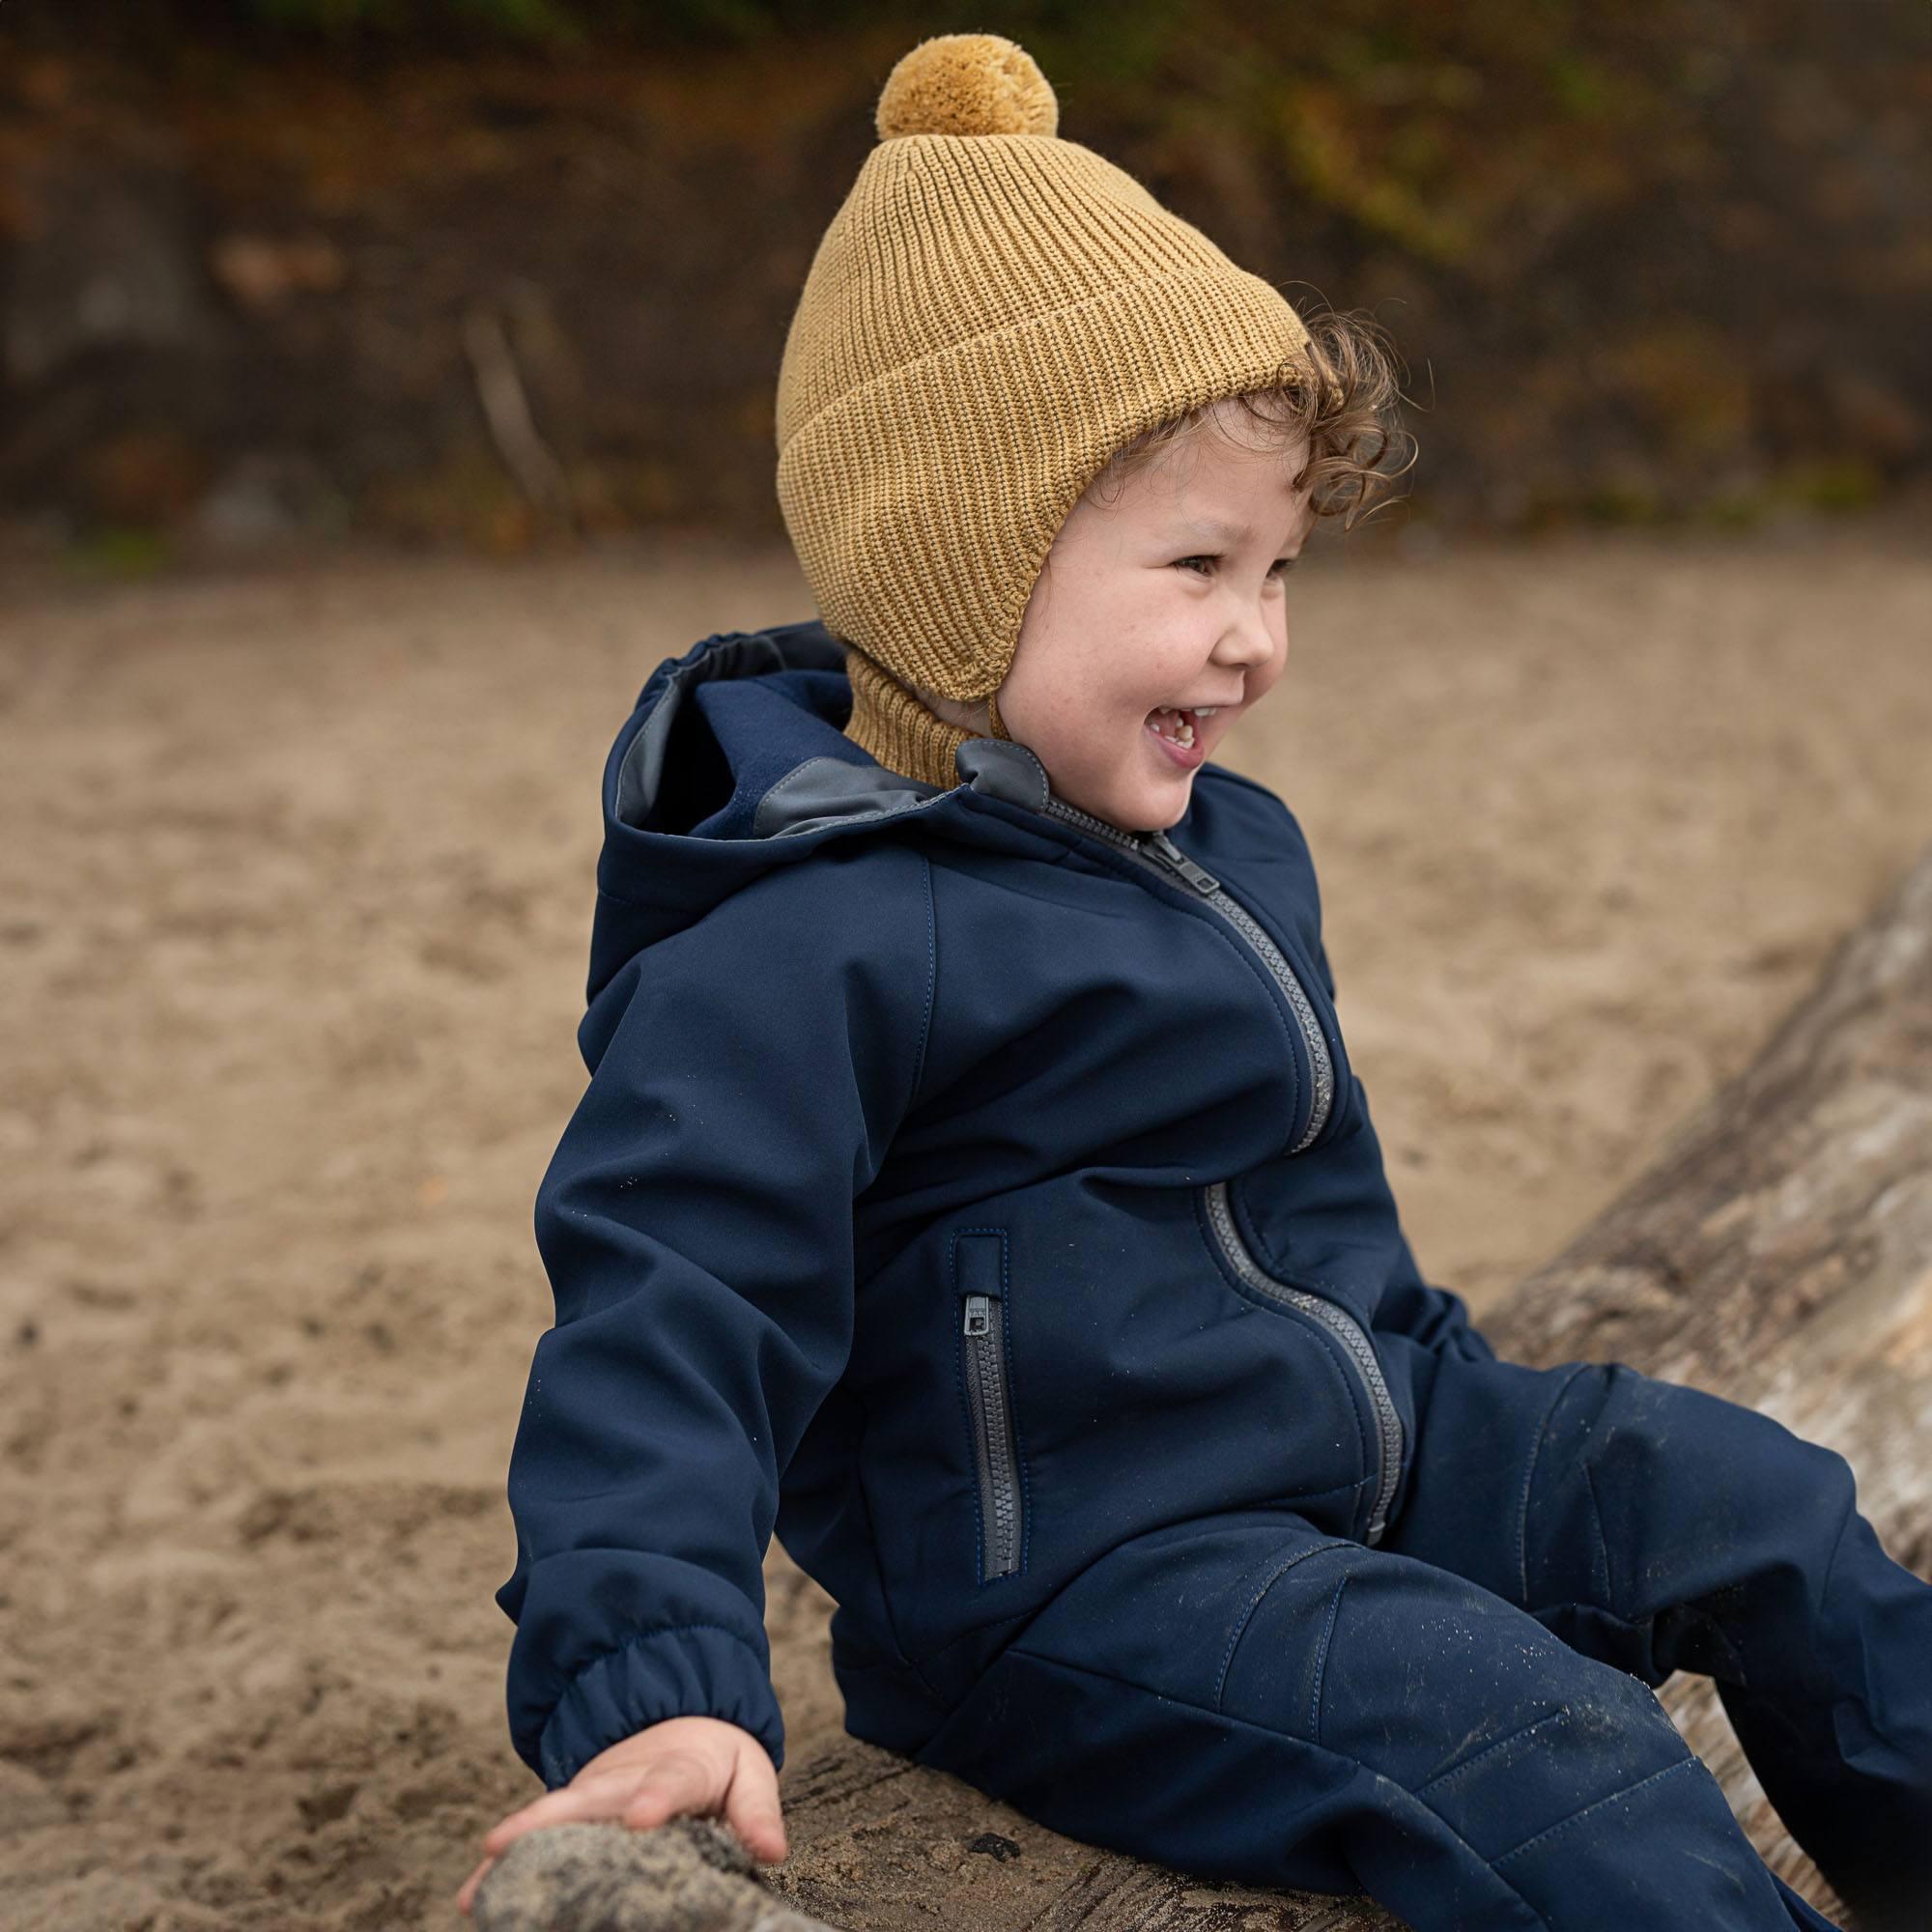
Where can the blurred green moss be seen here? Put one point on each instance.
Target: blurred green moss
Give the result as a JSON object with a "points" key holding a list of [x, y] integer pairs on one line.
{"points": [[118, 550], [1619, 504], [1838, 485]]}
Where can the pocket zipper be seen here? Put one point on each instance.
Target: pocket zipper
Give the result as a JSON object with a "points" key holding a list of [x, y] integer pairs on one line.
{"points": [[1359, 1350], [995, 1452]]}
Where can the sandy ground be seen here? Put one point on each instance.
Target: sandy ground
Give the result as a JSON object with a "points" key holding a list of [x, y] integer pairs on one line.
{"points": [[293, 910]]}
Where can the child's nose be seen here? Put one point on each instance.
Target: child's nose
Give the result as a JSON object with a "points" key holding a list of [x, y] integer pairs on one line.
{"points": [[1247, 640]]}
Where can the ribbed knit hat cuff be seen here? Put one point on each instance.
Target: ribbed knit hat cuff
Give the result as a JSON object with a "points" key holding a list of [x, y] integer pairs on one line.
{"points": [[897, 729]]}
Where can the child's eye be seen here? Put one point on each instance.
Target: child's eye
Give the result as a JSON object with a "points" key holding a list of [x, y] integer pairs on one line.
{"points": [[1284, 564]]}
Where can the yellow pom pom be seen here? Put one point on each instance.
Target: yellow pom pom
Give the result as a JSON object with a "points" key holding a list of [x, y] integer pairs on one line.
{"points": [[967, 84]]}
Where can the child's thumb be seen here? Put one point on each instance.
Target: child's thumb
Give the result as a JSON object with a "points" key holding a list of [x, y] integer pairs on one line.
{"points": [[753, 1811]]}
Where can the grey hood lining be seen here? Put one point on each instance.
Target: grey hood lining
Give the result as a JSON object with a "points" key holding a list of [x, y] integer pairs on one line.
{"points": [[827, 790], [641, 773], [823, 790]]}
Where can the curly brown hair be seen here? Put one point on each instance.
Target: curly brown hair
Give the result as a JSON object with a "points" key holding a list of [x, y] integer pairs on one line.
{"points": [[1347, 410]]}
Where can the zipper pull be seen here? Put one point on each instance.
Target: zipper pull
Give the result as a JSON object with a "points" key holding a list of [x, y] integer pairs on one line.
{"points": [[1158, 845], [979, 1315]]}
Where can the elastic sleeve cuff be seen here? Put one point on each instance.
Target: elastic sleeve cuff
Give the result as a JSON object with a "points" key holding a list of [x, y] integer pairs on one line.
{"points": [[685, 1670]]}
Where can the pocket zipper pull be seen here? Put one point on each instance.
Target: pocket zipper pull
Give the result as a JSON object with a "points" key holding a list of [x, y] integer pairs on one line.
{"points": [[1161, 846], [979, 1315]]}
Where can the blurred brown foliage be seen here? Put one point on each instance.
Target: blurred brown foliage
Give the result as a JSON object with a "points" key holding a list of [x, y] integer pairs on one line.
{"points": [[484, 272]]}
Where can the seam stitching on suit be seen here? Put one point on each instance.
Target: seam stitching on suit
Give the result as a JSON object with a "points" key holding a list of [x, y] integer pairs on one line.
{"points": [[794, 775], [1563, 1824], [932, 984], [965, 1636], [1268, 1582], [1602, 1544], [1470, 1764], [1322, 1663], [1529, 1476], [1007, 1319], [1247, 1724], [1837, 1550]]}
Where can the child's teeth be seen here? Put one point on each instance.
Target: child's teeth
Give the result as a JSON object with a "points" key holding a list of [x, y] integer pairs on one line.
{"points": [[1172, 725]]}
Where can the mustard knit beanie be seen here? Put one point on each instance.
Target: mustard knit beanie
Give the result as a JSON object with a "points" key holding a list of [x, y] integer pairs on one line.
{"points": [[992, 314]]}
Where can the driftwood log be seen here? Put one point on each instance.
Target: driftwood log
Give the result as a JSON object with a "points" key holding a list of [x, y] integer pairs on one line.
{"points": [[1777, 1251]]}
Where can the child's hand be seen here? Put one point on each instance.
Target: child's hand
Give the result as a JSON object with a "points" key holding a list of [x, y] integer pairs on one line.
{"points": [[683, 1766]]}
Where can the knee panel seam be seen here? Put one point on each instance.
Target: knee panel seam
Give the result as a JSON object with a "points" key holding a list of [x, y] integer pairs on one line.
{"points": [[1447, 1826], [1242, 1622], [1596, 1804], [1560, 1715], [1321, 1662]]}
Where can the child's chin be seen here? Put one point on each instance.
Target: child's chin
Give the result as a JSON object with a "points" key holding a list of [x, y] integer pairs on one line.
{"points": [[1153, 808], [1149, 798]]}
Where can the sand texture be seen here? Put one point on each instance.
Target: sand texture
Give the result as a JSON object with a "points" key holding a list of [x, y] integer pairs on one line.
{"points": [[294, 904]]}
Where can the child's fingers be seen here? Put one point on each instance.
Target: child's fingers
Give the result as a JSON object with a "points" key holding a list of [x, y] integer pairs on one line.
{"points": [[642, 1795], [758, 1821], [467, 1898], [601, 1795], [752, 1807]]}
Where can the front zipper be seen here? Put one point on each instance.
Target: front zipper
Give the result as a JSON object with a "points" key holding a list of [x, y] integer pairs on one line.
{"points": [[995, 1454], [1354, 1337], [1159, 850]]}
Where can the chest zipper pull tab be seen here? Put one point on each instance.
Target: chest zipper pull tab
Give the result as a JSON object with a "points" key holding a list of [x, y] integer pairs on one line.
{"points": [[1159, 845]]}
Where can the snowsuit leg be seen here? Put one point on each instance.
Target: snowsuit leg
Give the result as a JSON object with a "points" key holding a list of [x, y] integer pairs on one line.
{"points": [[1459, 1721], [1658, 1528], [1253, 1696]]}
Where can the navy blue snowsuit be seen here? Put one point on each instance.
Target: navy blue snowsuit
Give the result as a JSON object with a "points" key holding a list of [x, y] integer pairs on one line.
{"points": [[980, 1198]]}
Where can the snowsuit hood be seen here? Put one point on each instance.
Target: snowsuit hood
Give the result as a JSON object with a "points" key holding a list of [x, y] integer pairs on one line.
{"points": [[962, 1185], [733, 762]]}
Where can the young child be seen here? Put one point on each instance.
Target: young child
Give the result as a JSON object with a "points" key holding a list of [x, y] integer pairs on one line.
{"points": [[972, 1184]]}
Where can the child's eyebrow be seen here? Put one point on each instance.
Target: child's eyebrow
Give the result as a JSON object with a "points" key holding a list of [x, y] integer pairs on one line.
{"points": [[1213, 530]]}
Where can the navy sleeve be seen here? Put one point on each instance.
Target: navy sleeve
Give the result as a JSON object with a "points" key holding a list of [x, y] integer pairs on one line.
{"points": [[696, 1226], [1434, 1317]]}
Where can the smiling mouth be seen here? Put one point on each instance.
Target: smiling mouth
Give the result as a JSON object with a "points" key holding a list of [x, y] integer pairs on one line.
{"points": [[1175, 732], [1179, 725]]}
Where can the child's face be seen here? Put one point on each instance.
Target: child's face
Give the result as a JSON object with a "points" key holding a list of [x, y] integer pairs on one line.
{"points": [[1143, 604]]}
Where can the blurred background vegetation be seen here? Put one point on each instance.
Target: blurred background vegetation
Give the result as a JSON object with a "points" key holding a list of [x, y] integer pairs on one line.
{"points": [[505, 272]]}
